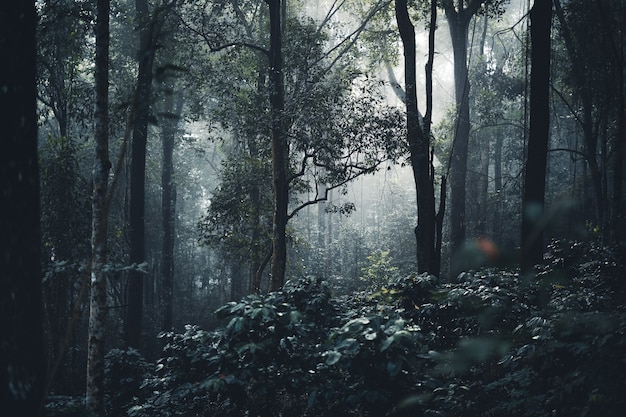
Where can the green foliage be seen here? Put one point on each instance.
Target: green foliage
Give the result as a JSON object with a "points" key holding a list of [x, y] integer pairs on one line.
{"points": [[491, 344], [65, 406], [370, 364], [237, 222], [124, 372], [260, 361], [379, 270]]}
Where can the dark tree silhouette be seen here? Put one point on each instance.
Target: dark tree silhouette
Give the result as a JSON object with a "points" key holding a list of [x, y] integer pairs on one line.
{"points": [[418, 138], [280, 155], [22, 368], [535, 175]]}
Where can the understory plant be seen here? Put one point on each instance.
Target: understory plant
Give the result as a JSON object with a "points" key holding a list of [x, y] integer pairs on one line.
{"points": [[493, 343]]}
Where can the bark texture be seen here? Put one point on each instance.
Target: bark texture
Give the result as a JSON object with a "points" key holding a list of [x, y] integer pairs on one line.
{"points": [[280, 150], [419, 147], [102, 165]]}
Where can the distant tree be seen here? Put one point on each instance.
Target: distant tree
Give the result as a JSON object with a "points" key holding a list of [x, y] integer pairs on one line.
{"points": [[231, 224], [312, 144], [102, 165], [496, 73], [459, 14], [65, 106], [65, 230], [592, 89], [149, 26], [533, 200], [170, 119], [143, 96], [22, 365], [62, 87]]}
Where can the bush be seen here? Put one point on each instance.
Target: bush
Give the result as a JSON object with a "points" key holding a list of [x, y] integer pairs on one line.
{"points": [[491, 344], [124, 372]]}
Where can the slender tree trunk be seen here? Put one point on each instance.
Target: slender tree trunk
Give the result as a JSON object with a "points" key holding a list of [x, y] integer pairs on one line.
{"points": [[255, 238], [134, 311], [322, 265], [439, 216], [484, 149], [483, 186], [102, 165], [22, 363], [168, 206], [536, 163], [280, 150], [236, 280], [458, 22], [257, 248], [419, 147]]}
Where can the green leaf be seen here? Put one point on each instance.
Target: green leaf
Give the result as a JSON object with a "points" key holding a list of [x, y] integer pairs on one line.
{"points": [[371, 335], [332, 357], [393, 368], [236, 324], [387, 343]]}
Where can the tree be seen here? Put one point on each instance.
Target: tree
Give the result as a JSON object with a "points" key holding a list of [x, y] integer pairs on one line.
{"points": [[99, 213], [62, 88], [459, 15], [22, 365], [533, 201], [171, 116], [149, 26], [418, 138], [65, 107], [311, 146], [280, 149], [596, 99]]}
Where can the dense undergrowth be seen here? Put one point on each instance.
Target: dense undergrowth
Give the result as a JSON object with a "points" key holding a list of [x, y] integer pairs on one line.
{"points": [[490, 344]]}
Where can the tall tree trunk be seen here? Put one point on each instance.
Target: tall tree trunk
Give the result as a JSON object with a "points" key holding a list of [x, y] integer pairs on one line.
{"points": [[280, 150], [102, 165], [458, 22], [439, 216], [257, 248], [168, 206], [484, 150], [419, 147], [22, 363], [134, 311], [536, 163], [497, 181]]}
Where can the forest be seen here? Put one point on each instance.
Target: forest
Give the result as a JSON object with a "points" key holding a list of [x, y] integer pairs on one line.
{"points": [[290, 208]]}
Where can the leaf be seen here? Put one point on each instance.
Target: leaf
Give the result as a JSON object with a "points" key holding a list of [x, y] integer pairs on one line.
{"points": [[371, 335], [387, 343], [294, 316], [393, 368], [251, 347], [236, 324], [332, 357]]}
